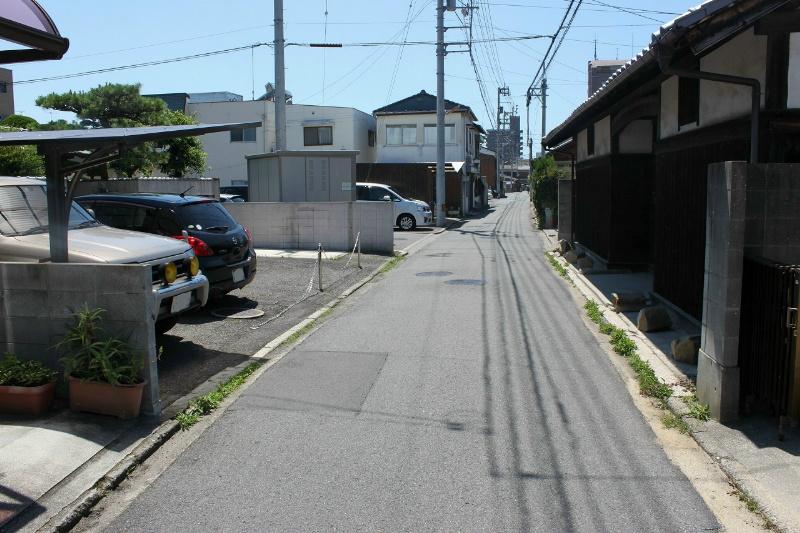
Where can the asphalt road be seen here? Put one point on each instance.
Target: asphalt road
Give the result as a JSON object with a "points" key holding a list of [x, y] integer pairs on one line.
{"points": [[460, 393]]}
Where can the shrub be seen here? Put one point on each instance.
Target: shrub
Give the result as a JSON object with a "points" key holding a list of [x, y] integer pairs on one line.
{"points": [[17, 373]]}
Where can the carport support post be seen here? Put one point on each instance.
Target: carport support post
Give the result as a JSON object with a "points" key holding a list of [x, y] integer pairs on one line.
{"points": [[319, 265], [57, 208]]}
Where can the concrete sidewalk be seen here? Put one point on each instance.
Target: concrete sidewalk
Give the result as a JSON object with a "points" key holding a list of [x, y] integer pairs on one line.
{"points": [[749, 451]]}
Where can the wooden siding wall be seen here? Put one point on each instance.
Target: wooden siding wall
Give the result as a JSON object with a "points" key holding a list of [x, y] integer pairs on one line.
{"points": [[631, 215], [680, 219], [613, 206], [593, 205]]}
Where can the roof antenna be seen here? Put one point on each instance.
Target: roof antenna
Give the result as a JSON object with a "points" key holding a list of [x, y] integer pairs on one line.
{"points": [[595, 47], [187, 190]]}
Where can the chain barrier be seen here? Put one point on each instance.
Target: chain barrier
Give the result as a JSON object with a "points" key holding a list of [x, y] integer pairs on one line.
{"points": [[316, 275]]}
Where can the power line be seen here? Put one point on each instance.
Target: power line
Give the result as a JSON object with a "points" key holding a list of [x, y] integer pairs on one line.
{"points": [[400, 52], [145, 64]]}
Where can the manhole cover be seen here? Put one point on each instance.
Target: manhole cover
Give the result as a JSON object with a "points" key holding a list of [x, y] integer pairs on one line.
{"points": [[435, 273], [236, 312], [441, 254], [465, 282]]}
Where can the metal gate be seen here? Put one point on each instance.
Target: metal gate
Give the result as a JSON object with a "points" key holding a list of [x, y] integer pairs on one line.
{"points": [[768, 335]]}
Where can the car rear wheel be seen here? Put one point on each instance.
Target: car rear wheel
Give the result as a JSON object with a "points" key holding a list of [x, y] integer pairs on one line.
{"points": [[406, 222]]}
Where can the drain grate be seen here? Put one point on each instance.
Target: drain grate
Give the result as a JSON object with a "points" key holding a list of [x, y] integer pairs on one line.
{"points": [[238, 313], [465, 282], [435, 273]]}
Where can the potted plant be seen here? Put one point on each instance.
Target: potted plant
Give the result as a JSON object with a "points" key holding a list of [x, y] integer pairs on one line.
{"points": [[26, 387], [102, 371]]}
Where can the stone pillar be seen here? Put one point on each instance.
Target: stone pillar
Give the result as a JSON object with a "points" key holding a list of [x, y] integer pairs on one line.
{"points": [[565, 209], [718, 360]]}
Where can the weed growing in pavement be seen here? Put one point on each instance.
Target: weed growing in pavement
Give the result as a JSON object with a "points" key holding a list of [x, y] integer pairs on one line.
{"points": [[206, 403], [557, 266], [754, 508], [393, 262], [697, 410], [649, 383], [673, 421]]}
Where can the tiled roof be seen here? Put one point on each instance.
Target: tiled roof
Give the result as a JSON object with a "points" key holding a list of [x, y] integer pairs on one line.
{"points": [[421, 102], [647, 56]]}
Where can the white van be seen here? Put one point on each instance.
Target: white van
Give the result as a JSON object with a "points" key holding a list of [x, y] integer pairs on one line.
{"points": [[408, 214]]}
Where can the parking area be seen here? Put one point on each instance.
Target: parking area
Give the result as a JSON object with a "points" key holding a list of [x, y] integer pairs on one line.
{"points": [[404, 239], [204, 342]]}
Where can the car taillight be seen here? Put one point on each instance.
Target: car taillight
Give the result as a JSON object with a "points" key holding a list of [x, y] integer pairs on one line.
{"points": [[247, 232], [201, 249]]}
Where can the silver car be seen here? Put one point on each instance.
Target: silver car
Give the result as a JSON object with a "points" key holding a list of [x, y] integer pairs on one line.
{"points": [[178, 285]]}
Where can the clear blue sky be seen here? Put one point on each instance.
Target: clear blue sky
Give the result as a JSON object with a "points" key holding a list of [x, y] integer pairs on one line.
{"points": [[110, 33]]}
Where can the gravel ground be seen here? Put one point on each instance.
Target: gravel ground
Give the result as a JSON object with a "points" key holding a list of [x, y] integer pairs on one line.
{"points": [[202, 345]]}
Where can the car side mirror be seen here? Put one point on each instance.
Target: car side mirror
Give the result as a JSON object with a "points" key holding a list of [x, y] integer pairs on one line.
{"points": [[386, 198], [91, 212]]}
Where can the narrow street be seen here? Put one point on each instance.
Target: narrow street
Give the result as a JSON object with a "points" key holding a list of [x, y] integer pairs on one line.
{"points": [[461, 392]]}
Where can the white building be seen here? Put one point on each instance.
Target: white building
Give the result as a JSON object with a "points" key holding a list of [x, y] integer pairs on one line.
{"points": [[308, 127], [407, 134]]}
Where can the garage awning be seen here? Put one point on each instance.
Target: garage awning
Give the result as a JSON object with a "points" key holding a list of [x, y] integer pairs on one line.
{"points": [[104, 145], [25, 22]]}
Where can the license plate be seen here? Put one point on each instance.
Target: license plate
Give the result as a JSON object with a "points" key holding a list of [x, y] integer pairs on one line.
{"points": [[238, 275], [181, 302]]}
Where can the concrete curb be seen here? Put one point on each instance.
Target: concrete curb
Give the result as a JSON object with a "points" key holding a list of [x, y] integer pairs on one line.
{"points": [[80, 507], [674, 404]]}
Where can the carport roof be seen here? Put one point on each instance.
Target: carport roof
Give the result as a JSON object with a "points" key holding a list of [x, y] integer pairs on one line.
{"points": [[78, 139]]}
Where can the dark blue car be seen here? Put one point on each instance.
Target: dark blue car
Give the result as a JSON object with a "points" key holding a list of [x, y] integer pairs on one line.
{"points": [[224, 247]]}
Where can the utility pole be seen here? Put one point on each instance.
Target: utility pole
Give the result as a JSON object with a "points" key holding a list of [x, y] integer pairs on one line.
{"points": [[280, 81], [501, 91], [440, 192], [544, 110]]}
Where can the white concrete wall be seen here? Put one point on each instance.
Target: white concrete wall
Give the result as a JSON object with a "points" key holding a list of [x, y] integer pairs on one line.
{"points": [[602, 136], [226, 159], [301, 225], [420, 152], [38, 302], [199, 187], [793, 99], [582, 152], [636, 138], [745, 55]]}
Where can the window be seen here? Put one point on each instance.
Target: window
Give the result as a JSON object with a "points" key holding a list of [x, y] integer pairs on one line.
{"points": [[3, 87], [590, 139], [23, 210], [688, 101], [317, 135], [247, 135], [205, 216], [371, 137], [401, 134], [449, 133], [376, 194], [362, 192]]}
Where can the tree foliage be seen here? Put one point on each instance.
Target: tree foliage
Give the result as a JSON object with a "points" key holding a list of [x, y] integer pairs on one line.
{"points": [[20, 161], [543, 179], [20, 122], [122, 105]]}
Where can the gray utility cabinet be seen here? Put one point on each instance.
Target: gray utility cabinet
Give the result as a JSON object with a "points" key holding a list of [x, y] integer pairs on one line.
{"points": [[302, 176]]}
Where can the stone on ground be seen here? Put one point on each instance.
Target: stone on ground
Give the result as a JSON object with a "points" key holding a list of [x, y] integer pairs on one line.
{"points": [[563, 246], [655, 318], [624, 302], [685, 349], [571, 257]]}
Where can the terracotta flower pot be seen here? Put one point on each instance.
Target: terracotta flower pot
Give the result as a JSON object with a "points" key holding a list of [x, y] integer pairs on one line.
{"points": [[122, 401], [32, 401]]}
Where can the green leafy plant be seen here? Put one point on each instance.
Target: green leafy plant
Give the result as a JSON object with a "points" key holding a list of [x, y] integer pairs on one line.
{"points": [[15, 372], [203, 405], [543, 180], [557, 266], [92, 356], [673, 421], [697, 410]]}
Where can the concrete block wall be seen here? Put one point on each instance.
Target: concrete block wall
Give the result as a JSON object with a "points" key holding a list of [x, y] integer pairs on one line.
{"points": [[38, 302], [195, 186], [302, 225], [718, 359], [565, 209]]}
